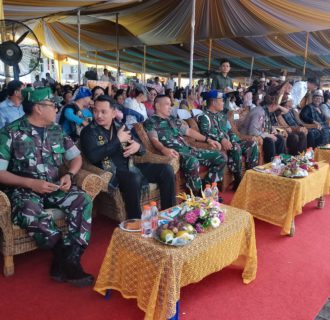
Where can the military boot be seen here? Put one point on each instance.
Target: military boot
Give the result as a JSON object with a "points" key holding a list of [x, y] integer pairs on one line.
{"points": [[73, 270], [237, 181], [56, 269]]}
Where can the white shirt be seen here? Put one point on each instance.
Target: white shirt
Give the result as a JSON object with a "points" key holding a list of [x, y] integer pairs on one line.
{"points": [[170, 84], [136, 106], [105, 78]]}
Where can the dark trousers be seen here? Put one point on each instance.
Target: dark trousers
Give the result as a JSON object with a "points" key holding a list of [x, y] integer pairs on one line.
{"points": [[272, 148], [130, 185], [296, 143]]}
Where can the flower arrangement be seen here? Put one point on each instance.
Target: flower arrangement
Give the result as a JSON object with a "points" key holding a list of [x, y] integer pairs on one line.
{"points": [[201, 213], [300, 165]]}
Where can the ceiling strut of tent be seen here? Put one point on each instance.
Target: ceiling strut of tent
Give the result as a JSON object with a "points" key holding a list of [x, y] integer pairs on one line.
{"points": [[306, 52], [192, 42], [144, 63], [79, 66], [117, 46], [251, 69], [210, 55]]}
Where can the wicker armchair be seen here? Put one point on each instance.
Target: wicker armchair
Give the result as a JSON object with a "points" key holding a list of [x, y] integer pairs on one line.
{"points": [[14, 240], [175, 163], [110, 202]]}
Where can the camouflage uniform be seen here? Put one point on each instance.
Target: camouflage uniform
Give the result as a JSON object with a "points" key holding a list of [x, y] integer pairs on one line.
{"points": [[170, 133], [214, 125], [23, 152]]}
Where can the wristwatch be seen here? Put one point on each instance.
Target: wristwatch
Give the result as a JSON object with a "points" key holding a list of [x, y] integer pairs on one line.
{"points": [[71, 175], [206, 139]]}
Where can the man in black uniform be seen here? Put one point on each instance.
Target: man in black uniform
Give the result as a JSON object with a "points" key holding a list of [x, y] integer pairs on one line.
{"points": [[109, 145]]}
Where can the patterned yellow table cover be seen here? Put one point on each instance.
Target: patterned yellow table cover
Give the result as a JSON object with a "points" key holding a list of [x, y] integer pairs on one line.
{"points": [[153, 272], [322, 155], [278, 200]]}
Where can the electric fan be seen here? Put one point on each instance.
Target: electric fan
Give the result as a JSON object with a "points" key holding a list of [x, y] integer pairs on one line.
{"points": [[19, 49]]}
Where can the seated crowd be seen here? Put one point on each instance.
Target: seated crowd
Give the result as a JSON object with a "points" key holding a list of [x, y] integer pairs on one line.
{"points": [[39, 129]]}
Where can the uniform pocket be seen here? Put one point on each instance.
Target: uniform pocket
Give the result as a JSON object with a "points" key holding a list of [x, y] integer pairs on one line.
{"points": [[24, 155], [58, 153]]}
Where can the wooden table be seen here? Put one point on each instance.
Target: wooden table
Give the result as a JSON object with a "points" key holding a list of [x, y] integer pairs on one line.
{"points": [[278, 200], [153, 272]]}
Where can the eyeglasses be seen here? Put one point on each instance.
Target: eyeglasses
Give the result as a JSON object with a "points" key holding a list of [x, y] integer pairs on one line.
{"points": [[47, 105]]}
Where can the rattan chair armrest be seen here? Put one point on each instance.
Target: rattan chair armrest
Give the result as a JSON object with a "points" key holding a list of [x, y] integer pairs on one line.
{"points": [[89, 182], [5, 212], [197, 144], [105, 175], [310, 125], [150, 157]]}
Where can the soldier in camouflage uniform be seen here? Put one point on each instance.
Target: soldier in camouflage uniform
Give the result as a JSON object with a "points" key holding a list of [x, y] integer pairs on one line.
{"points": [[166, 134], [213, 123], [32, 149]]}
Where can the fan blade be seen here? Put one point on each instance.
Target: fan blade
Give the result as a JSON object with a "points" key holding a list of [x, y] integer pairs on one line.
{"points": [[16, 71], [22, 37]]}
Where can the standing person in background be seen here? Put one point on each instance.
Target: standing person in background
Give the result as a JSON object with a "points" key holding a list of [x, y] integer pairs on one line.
{"points": [[170, 83], [38, 83], [105, 76], [50, 80], [222, 82], [11, 108], [158, 86]]}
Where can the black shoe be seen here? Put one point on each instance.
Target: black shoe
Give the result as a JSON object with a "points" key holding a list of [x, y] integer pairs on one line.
{"points": [[73, 270], [56, 269], [237, 181]]}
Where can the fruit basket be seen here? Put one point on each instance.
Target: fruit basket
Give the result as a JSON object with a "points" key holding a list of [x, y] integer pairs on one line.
{"points": [[175, 233]]}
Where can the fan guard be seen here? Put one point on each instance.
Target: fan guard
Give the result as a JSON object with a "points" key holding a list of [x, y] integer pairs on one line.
{"points": [[19, 49]]}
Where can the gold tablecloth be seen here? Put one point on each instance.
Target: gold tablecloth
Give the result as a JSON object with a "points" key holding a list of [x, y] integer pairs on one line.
{"points": [[153, 272], [322, 155], [278, 200]]}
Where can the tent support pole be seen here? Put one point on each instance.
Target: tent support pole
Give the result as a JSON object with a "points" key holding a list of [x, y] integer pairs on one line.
{"points": [[306, 53], [144, 63], [79, 66], [179, 79], [96, 60], [251, 70], [117, 46], [210, 54], [192, 42]]}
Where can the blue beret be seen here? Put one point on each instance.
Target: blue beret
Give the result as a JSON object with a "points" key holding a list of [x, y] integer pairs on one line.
{"points": [[214, 94]]}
